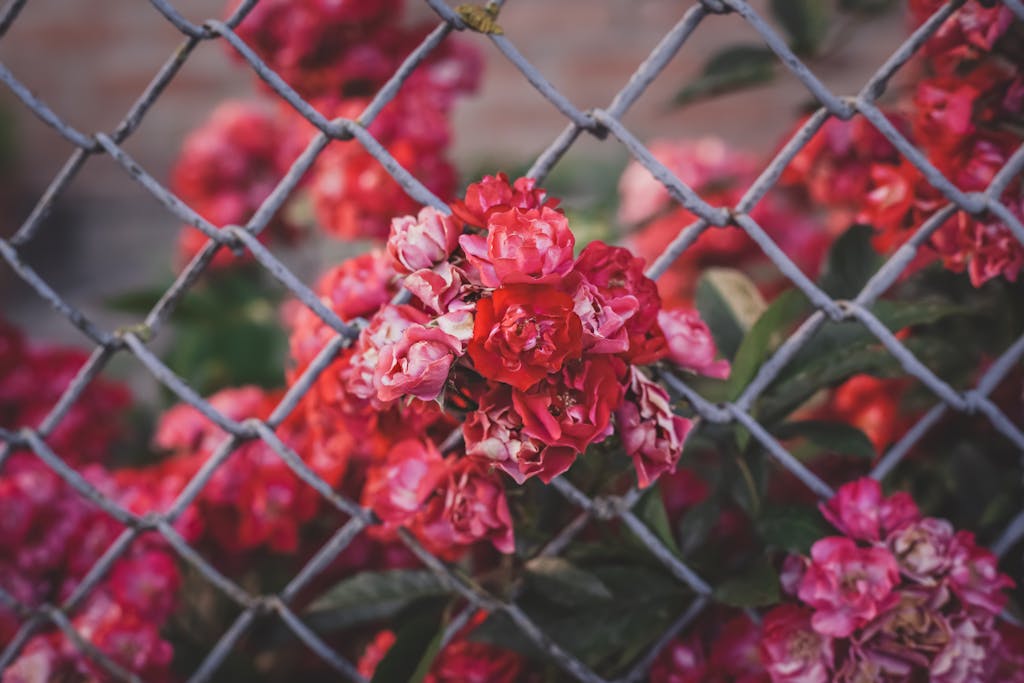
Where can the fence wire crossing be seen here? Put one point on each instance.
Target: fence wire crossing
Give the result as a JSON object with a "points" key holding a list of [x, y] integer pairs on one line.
{"points": [[599, 122]]}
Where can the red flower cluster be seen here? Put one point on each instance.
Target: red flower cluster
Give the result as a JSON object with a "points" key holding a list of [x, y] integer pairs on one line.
{"points": [[227, 168], [719, 651], [460, 661], [897, 597], [720, 175], [32, 379], [550, 344], [962, 116]]}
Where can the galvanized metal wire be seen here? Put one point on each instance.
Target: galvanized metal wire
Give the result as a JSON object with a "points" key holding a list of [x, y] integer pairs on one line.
{"points": [[603, 123]]}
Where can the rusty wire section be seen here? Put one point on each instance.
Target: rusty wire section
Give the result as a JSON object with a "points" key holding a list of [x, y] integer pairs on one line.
{"points": [[601, 123]]}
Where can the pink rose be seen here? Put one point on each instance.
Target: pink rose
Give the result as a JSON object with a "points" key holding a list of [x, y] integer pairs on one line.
{"points": [[422, 241], [847, 585], [494, 435], [470, 506], [416, 365], [441, 288], [384, 329], [652, 434], [859, 510], [690, 344], [791, 650], [534, 246], [397, 488]]}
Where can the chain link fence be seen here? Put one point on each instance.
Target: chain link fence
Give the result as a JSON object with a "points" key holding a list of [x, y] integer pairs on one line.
{"points": [[603, 123]]}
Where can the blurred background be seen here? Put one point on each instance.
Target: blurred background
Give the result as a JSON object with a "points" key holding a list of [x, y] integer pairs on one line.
{"points": [[89, 61]]}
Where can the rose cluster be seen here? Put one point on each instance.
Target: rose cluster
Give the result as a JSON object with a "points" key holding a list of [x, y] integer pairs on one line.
{"points": [[962, 116], [897, 596], [337, 55]]}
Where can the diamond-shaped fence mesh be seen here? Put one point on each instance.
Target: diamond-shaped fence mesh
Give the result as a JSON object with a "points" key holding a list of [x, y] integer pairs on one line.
{"points": [[603, 123]]}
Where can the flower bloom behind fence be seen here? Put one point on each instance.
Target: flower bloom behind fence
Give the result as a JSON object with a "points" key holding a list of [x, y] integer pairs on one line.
{"points": [[450, 389]]}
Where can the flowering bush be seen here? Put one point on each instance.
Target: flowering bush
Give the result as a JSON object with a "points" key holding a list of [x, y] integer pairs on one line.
{"points": [[499, 372]]}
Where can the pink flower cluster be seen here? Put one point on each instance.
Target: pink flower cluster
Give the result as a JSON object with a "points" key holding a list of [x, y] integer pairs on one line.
{"points": [[32, 379], [50, 537], [721, 649], [898, 596]]}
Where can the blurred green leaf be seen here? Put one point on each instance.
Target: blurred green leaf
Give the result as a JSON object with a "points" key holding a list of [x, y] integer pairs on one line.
{"points": [[697, 523], [561, 581], [732, 68], [650, 509], [832, 437], [758, 586], [760, 341], [867, 6], [850, 263], [730, 303], [805, 21], [417, 642], [793, 529], [374, 595]]}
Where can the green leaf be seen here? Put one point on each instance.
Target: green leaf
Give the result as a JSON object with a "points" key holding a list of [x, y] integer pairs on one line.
{"points": [[697, 523], [758, 343], [866, 6], [650, 509], [563, 582], [833, 437], [417, 642], [758, 586], [730, 303], [793, 529], [805, 21], [850, 264], [370, 596], [732, 68]]}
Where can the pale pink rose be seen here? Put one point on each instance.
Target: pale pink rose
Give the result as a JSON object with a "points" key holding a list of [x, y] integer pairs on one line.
{"points": [[922, 549], [384, 329], [963, 659], [416, 365], [603, 317], [690, 344], [422, 241], [652, 434], [494, 435], [441, 288], [522, 247], [974, 575]]}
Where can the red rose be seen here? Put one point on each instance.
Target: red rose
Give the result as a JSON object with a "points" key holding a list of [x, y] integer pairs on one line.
{"points": [[524, 333], [494, 194], [574, 408]]}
